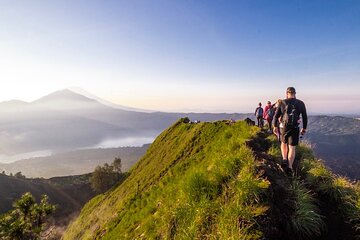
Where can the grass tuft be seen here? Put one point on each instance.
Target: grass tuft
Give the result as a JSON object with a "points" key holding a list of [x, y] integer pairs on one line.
{"points": [[306, 221]]}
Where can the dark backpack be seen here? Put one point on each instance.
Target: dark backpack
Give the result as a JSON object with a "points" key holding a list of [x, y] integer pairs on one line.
{"points": [[270, 112], [290, 117], [259, 112]]}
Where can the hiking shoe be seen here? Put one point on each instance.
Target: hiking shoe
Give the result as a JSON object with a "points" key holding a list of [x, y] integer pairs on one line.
{"points": [[284, 164], [289, 172]]}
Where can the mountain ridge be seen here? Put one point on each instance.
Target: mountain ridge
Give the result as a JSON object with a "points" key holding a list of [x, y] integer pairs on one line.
{"points": [[221, 180]]}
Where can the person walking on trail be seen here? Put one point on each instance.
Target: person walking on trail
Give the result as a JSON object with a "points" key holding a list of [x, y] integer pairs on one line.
{"points": [[289, 112], [269, 114], [259, 113], [276, 106]]}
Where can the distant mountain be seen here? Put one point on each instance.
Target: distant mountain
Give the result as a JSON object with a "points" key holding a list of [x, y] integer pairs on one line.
{"points": [[337, 140], [12, 104], [66, 121], [74, 162], [64, 96], [333, 125], [107, 103]]}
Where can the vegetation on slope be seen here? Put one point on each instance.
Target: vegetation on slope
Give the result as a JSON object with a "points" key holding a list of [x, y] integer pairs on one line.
{"points": [[26, 220], [69, 194], [212, 181]]}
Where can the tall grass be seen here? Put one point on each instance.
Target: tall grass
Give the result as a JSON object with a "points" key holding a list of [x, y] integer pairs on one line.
{"points": [[306, 221], [344, 194]]}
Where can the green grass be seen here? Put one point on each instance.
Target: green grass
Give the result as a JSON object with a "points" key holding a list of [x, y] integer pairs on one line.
{"points": [[202, 181], [314, 178], [195, 181], [344, 194], [305, 222], [340, 190]]}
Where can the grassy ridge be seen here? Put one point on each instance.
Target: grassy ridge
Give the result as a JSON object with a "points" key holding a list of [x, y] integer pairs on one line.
{"points": [[195, 180], [206, 181]]}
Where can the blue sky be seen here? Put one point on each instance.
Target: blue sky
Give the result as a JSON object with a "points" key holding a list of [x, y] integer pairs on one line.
{"points": [[184, 55]]}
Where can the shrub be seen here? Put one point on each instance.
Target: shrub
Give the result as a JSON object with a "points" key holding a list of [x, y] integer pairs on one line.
{"points": [[105, 177], [27, 220], [306, 220]]}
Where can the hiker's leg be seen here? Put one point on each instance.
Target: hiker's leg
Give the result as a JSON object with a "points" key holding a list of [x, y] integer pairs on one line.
{"points": [[270, 127], [284, 150], [291, 155], [293, 142]]}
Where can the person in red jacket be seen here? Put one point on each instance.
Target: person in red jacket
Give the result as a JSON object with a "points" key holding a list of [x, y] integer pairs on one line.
{"points": [[269, 114]]}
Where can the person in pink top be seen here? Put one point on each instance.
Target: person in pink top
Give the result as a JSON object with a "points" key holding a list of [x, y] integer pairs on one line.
{"points": [[269, 114]]}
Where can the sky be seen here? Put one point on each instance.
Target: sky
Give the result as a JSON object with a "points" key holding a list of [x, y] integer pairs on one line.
{"points": [[204, 56]]}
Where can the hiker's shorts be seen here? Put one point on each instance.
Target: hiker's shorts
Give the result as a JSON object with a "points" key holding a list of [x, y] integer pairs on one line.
{"points": [[290, 136]]}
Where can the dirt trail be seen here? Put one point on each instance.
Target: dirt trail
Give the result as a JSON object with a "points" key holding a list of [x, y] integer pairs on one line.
{"points": [[281, 199]]}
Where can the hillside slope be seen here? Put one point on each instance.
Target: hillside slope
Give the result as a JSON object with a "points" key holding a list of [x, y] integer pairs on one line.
{"points": [[69, 193], [221, 181]]}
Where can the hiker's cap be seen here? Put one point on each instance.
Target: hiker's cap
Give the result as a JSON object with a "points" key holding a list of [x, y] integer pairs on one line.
{"points": [[290, 90]]}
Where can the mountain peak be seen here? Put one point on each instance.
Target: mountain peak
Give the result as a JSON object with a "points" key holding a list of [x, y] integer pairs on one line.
{"points": [[78, 95], [105, 102], [64, 95]]}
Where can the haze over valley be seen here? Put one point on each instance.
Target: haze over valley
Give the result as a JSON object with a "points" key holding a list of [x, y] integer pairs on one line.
{"points": [[65, 120], [67, 133]]}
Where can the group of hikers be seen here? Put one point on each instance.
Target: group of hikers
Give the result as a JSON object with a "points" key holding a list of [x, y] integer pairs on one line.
{"points": [[283, 118]]}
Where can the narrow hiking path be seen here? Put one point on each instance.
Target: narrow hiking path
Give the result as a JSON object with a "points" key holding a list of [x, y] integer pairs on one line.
{"points": [[279, 194], [282, 199]]}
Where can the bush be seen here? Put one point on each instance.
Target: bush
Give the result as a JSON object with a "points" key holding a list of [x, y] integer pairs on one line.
{"points": [[27, 220], [105, 177]]}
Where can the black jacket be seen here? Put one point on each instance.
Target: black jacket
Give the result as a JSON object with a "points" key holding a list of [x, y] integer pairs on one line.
{"points": [[300, 109]]}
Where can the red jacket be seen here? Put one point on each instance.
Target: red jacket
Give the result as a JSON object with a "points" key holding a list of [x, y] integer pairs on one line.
{"points": [[267, 107]]}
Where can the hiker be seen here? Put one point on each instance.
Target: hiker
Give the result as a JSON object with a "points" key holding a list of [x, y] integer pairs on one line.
{"points": [[277, 133], [259, 113], [289, 112], [269, 114]]}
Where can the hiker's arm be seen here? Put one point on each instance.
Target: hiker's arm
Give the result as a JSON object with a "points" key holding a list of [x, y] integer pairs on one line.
{"points": [[275, 122], [304, 117]]}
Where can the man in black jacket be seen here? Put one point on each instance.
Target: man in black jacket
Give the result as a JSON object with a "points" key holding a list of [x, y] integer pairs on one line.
{"points": [[289, 115]]}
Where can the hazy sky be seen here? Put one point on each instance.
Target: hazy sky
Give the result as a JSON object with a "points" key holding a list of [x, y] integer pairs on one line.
{"points": [[184, 55]]}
